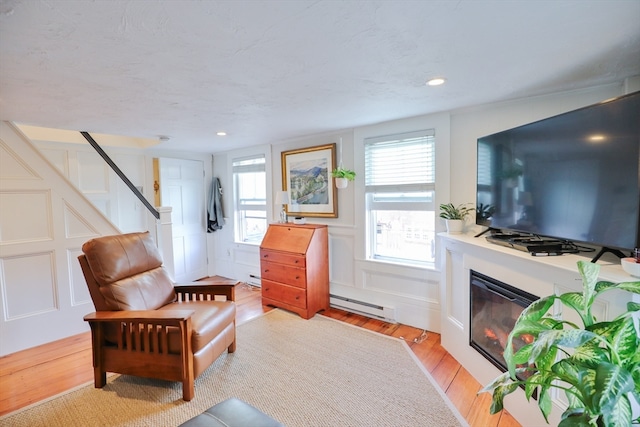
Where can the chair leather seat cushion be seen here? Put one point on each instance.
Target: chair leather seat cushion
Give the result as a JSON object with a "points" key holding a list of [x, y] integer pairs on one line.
{"points": [[232, 413], [209, 319]]}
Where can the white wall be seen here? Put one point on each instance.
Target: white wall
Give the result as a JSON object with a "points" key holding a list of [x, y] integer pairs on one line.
{"points": [[413, 292]]}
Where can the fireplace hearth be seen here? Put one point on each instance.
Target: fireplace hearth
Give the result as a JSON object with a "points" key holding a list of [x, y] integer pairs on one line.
{"points": [[494, 309]]}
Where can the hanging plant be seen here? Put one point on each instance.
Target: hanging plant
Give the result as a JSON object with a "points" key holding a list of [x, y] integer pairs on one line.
{"points": [[343, 176], [340, 172]]}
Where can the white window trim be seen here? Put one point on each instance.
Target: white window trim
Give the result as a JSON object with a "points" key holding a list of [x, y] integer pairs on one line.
{"points": [[441, 123], [257, 150]]}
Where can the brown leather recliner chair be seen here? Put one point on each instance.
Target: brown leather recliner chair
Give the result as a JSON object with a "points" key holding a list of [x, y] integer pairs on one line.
{"points": [[146, 326]]}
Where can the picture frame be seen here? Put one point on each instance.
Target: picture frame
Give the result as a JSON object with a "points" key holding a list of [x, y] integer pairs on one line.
{"points": [[306, 177]]}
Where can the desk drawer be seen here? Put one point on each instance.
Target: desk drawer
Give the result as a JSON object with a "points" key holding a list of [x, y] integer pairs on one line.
{"points": [[284, 274], [286, 294], [292, 259]]}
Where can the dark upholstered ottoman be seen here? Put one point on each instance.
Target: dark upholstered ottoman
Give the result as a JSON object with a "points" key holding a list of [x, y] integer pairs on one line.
{"points": [[232, 413]]}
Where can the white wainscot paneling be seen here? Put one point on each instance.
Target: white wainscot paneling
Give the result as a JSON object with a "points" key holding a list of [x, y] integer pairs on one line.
{"points": [[26, 216], [93, 173], [247, 263], [13, 167], [76, 225], [102, 204], [79, 290], [59, 158], [247, 255], [340, 264], [23, 277], [409, 283], [457, 293]]}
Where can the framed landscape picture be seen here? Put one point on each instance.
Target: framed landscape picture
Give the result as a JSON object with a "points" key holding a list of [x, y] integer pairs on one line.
{"points": [[306, 177]]}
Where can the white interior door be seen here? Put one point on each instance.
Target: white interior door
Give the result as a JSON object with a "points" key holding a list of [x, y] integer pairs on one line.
{"points": [[182, 187]]}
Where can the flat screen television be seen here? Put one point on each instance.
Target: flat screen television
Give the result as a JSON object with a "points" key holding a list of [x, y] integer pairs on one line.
{"points": [[573, 177]]}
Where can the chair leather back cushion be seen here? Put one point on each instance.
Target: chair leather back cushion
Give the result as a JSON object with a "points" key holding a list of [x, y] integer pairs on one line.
{"points": [[128, 270]]}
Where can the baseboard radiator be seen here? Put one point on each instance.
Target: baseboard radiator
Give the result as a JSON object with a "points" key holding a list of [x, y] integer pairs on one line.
{"points": [[387, 314], [254, 280]]}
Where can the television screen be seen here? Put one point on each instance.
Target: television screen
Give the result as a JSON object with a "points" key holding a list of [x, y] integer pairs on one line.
{"points": [[575, 176]]}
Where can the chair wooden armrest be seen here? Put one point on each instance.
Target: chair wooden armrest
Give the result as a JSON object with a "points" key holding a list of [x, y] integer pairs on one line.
{"points": [[205, 291], [165, 317]]}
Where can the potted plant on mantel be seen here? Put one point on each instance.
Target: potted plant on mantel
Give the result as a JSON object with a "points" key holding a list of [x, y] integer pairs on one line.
{"points": [[454, 216], [597, 364], [343, 176]]}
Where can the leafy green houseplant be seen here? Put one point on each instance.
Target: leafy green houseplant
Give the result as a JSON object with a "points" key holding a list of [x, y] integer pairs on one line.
{"points": [[596, 364], [460, 212], [343, 176], [454, 216], [343, 173]]}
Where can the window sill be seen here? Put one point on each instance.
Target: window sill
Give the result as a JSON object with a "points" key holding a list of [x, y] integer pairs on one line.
{"points": [[400, 264]]}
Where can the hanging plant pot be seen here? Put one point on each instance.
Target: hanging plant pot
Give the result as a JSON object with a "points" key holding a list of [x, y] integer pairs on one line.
{"points": [[342, 182]]}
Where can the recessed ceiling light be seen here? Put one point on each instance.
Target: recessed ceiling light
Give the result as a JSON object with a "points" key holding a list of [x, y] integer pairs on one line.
{"points": [[221, 133], [435, 82]]}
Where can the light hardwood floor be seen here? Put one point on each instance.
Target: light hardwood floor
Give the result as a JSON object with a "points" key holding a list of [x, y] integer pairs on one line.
{"points": [[39, 373]]}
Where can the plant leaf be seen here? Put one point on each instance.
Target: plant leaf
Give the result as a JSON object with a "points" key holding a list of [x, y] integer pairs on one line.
{"points": [[574, 300], [633, 287], [522, 326], [622, 337], [522, 355], [545, 361], [590, 354], [612, 382], [537, 309], [498, 381], [544, 402], [571, 338], [589, 273], [575, 418], [581, 378], [620, 414]]}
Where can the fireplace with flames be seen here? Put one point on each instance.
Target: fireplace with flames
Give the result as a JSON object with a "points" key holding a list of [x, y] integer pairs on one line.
{"points": [[495, 307]]}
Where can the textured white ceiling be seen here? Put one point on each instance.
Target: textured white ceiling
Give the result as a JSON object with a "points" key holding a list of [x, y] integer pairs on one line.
{"points": [[267, 71]]}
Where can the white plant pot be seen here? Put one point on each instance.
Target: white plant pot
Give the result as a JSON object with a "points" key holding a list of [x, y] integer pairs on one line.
{"points": [[342, 182], [454, 226]]}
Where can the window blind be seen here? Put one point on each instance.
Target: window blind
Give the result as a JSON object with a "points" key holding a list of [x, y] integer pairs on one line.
{"points": [[249, 164], [400, 161]]}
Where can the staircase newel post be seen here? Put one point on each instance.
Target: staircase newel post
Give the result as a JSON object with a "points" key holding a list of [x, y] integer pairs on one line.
{"points": [[165, 239]]}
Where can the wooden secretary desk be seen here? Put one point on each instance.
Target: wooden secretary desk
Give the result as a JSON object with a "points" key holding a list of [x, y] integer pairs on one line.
{"points": [[294, 264]]}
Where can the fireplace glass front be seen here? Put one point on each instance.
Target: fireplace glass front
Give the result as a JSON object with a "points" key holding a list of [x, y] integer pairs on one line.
{"points": [[495, 307]]}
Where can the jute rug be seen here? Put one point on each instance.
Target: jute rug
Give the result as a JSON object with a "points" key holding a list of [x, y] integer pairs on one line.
{"points": [[317, 372]]}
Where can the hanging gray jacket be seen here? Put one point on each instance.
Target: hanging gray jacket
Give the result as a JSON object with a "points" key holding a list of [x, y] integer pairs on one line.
{"points": [[215, 216]]}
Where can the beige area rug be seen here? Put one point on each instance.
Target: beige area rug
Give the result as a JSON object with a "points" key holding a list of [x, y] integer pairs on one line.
{"points": [[317, 372]]}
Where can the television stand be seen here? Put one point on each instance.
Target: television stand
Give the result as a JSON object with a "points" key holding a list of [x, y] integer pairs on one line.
{"points": [[604, 250], [489, 229]]}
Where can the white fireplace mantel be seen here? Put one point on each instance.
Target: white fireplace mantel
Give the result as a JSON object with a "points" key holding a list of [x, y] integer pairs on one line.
{"points": [[540, 276]]}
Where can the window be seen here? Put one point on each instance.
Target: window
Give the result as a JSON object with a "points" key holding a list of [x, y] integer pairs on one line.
{"points": [[250, 199], [400, 191]]}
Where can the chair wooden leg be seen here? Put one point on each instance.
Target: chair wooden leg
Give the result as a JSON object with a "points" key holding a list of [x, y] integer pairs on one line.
{"points": [[188, 389], [99, 377]]}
